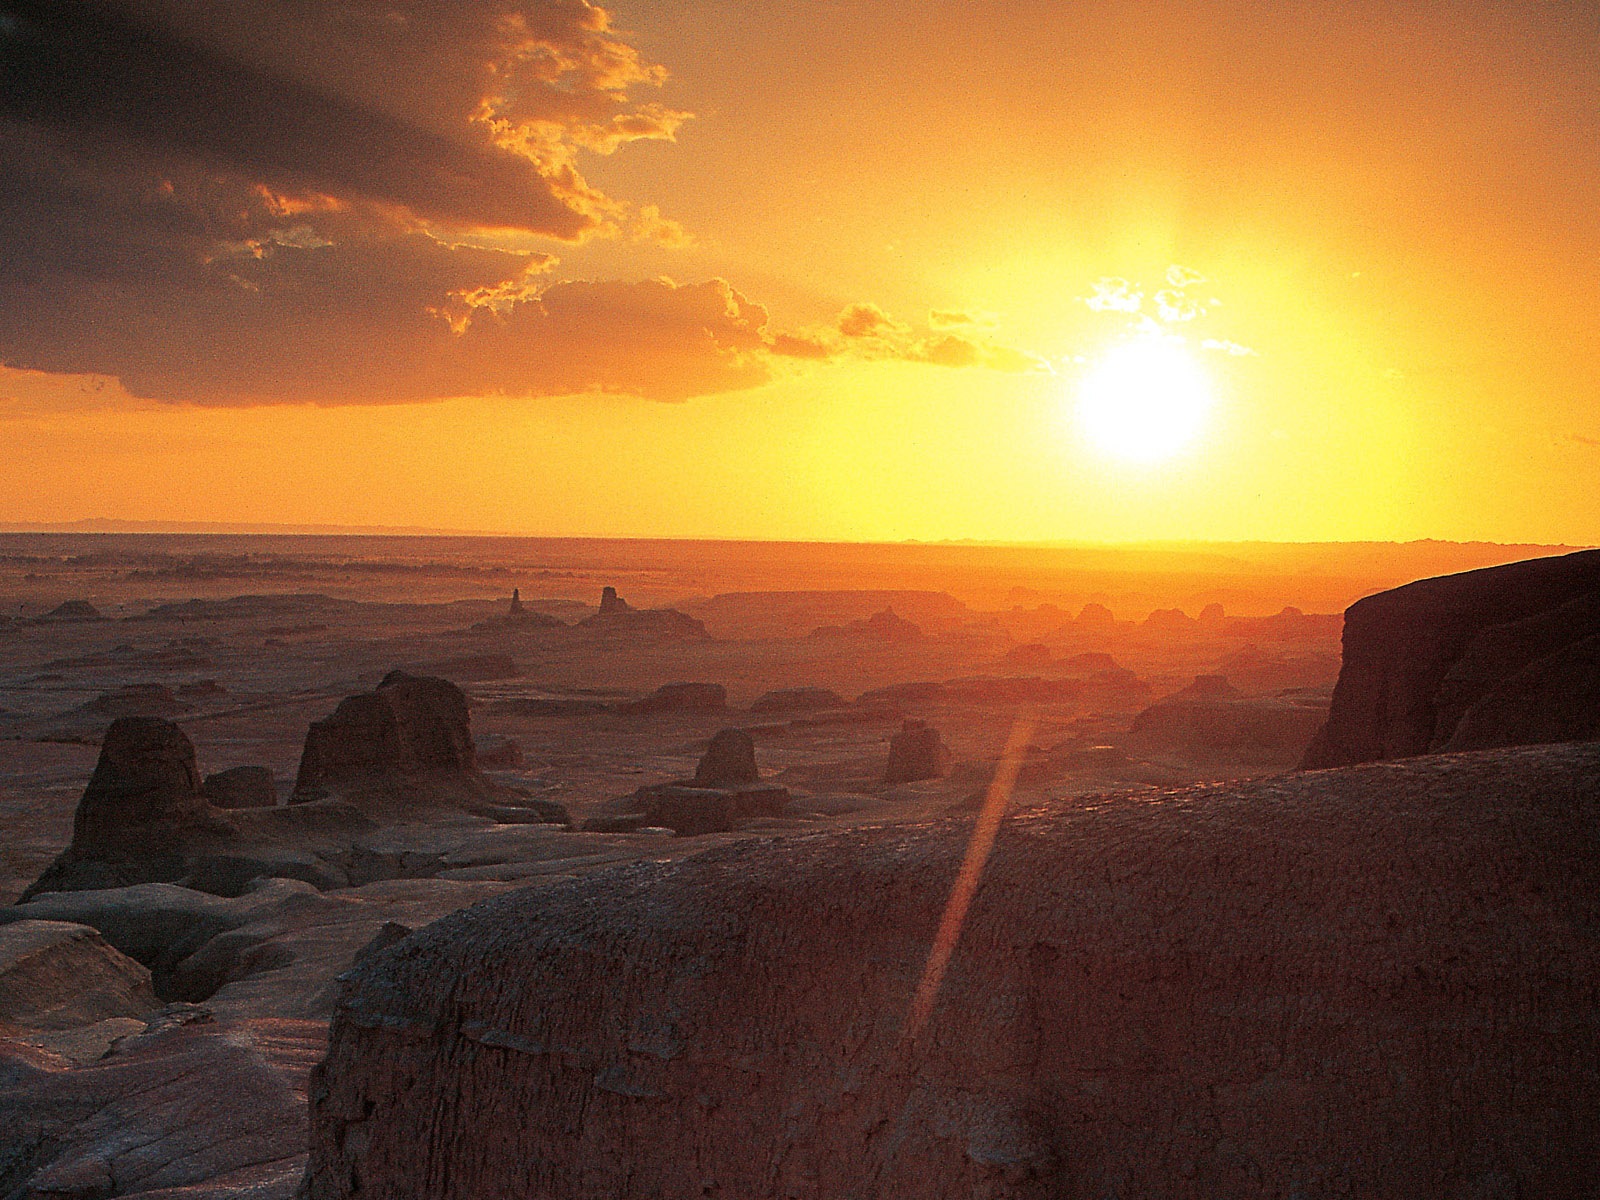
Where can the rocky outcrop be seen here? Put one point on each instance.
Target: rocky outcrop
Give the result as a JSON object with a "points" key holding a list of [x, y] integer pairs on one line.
{"points": [[885, 626], [1375, 982], [678, 697], [406, 749], [409, 724], [1210, 722], [241, 787], [57, 975], [144, 795], [517, 618], [915, 753], [617, 616], [187, 1107], [1420, 658], [725, 791], [729, 761], [71, 612]]}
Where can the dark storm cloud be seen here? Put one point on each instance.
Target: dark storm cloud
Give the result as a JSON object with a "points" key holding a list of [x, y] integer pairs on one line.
{"points": [[272, 201], [109, 83]]}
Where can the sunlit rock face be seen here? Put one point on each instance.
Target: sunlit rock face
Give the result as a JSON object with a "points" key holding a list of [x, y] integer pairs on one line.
{"points": [[1377, 981], [1483, 658]]}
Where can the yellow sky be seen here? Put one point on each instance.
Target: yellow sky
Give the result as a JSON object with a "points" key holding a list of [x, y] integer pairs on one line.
{"points": [[1390, 207]]}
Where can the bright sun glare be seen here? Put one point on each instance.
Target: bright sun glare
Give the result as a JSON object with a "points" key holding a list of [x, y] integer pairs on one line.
{"points": [[1145, 399]]}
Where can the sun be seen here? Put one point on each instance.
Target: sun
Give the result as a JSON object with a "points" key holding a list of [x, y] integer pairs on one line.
{"points": [[1145, 400]]}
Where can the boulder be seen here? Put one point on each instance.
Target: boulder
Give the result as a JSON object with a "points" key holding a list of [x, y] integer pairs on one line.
{"points": [[678, 697], [1372, 982], [729, 761], [1419, 657], [409, 724], [915, 753], [58, 975], [797, 699], [241, 787]]}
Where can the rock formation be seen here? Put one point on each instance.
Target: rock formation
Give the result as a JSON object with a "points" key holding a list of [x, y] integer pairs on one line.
{"points": [[1209, 721], [187, 1107], [403, 750], [729, 761], [56, 975], [516, 603], [1420, 659], [726, 789], [617, 616], [241, 787], [409, 724], [1371, 983], [678, 697], [1031, 654], [71, 612], [885, 626], [518, 617], [144, 794], [915, 753]]}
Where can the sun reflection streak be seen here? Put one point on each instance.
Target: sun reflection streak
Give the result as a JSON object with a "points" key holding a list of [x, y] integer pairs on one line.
{"points": [[966, 885]]}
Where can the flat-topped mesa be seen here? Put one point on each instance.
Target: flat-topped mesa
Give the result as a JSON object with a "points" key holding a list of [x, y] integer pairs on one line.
{"points": [[1372, 982], [409, 724], [725, 791], [1493, 657]]}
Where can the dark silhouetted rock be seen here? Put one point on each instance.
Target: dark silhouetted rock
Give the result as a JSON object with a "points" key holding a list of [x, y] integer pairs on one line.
{"points": [[1555, 698], [409, 724], [517, 618], [1372, 983], [404, 750], [679, 697], [70, 612], [691, 811], [145, 790], [241, 787], [915, 753], [797, 699], [730, 761], [56, 975], [1419, 657], [616, 615]]}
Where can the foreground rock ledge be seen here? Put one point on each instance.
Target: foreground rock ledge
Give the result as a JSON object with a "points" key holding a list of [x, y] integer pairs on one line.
{"points": [[1377, 981]]}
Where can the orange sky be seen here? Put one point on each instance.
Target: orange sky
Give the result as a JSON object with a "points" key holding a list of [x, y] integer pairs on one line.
{"points": [[1385, 211]]}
